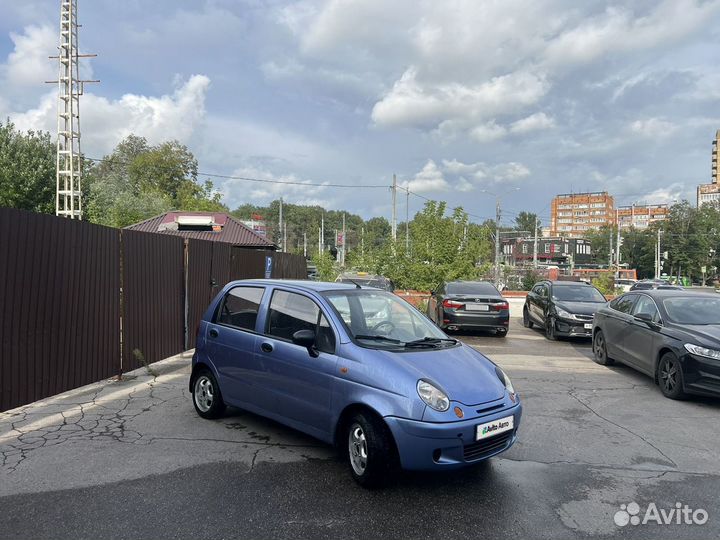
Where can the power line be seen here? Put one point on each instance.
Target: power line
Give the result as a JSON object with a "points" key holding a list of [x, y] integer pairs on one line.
{"points": [[250, 179]]}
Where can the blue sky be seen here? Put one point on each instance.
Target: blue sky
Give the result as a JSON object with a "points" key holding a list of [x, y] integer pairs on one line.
{"points": [[460, 98]]}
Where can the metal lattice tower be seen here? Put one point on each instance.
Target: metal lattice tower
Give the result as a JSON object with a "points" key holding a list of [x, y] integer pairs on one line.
{"points": [[68, 196]]}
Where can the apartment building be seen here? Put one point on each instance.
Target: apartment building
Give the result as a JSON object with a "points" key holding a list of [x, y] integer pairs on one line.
{"points": [[711, 192], [573, 214], [641, 216]]}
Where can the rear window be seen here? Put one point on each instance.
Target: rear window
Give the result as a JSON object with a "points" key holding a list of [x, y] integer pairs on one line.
{"points": [[479, 287]]}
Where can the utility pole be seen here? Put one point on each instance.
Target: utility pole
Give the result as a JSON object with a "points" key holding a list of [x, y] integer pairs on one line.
{"points": [[407, 221], [362, 242], [305, 244], [610, 255], [657, 256], [322, 233], [68, 159], [319, 240], [617, 243], [497, 242], [344, 245], [394, 210], [285, 236], [535, 243], [280, 225]]}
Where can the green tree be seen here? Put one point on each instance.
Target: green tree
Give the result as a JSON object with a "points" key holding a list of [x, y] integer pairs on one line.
{"points": [[27, 169], [527, 221], [137, 181]]}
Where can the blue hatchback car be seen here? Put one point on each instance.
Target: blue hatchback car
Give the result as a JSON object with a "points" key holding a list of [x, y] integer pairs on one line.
{"points": [[356, 367]]}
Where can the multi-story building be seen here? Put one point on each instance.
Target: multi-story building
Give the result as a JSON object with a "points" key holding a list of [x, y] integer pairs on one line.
{"points": [[641, 216], [711, 192], [573, 214]]}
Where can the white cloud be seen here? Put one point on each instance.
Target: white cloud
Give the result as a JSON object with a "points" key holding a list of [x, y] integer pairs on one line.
{"points": [[481, 171], [534, 122], [106, 122], [430, 178], [488, 132], [413, 103], [28, 65], [653, 127]]}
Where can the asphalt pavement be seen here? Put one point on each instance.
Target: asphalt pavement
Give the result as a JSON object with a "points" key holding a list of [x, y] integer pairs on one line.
{"points": [[131, 459]]}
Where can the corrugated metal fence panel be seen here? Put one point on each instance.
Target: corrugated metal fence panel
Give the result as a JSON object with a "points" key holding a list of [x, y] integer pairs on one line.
{"points": [[247, 263], [199, 287], [153, 296], [220, 269], [59, 305], [289, 266]]}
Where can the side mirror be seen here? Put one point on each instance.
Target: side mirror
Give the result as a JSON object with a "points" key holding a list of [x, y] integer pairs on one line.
{"points": [[645, 317], [306, 338]]}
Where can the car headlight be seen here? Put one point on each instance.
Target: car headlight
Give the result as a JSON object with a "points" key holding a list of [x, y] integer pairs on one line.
{"points": [[506, 381], [702, 351], [433, 396], [564, 314]]}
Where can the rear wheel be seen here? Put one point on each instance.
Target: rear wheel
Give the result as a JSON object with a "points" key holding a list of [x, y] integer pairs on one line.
{"points": [[550, 330], [670, 376], [600, 349], [527, 323], [371, 450], [206, 395], [501, 332]]}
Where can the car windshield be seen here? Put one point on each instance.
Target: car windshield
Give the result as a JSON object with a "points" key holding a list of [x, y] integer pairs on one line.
{"points": [[693, 309], [577, 293], [379, 319], [480, 287]]}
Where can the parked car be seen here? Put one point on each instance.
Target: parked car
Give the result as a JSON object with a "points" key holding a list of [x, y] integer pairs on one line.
{"points": [[469, 305], [650, 284], [366, 280], [562, 308], [672, 336], [624, 284], [387, 392]]}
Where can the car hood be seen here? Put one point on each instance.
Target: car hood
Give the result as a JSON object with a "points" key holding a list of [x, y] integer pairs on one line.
{"points": [[707, 334], [463, 373], [580, 308]]}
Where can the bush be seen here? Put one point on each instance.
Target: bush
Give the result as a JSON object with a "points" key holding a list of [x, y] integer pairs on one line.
{"points": [[530, 279], [605, 283]]}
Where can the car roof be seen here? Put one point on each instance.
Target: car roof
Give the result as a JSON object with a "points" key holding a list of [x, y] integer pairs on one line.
{"points": [[669, 293], [561, 283], [307, 285]]}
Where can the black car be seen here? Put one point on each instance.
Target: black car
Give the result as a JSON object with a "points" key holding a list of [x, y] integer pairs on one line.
{"points": [[650, 284], [671, 335], [469, 305], [562, 308]]}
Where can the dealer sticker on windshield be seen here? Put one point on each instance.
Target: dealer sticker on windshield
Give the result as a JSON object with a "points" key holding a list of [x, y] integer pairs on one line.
{"points": [[483, 431]]}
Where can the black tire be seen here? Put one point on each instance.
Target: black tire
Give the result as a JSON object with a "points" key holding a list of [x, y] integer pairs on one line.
{"points": [[550, 329], [501, 332], [380, 455], [670, 377], [527, 323], [599, 346], [206, 395]]}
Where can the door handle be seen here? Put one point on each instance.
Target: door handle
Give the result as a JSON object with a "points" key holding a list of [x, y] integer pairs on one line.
{"points": [[266, 347], [214, 333]]}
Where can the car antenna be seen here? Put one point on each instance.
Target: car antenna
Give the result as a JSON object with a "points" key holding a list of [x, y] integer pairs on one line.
{"points": [[355, 283]]}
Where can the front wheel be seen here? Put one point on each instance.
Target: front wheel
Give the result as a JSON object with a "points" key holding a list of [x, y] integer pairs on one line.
{"points": [[207, 399], [527, 323], [371, 450], [550, 330], [670, 376]]}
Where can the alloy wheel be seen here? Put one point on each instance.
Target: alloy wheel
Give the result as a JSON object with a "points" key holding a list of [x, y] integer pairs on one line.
{"points": [[358, 449], [600, 352], [204, 393], [669, 375]]}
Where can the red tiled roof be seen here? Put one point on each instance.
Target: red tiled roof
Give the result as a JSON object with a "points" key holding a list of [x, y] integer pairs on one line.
{"points": [[232, 231]]}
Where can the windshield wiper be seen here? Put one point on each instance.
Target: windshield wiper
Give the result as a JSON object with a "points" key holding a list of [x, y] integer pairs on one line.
{"points": [[377, 338], [429, 341]]}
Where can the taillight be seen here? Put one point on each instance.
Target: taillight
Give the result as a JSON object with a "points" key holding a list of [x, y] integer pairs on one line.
{"points": [[500, 306], [451, 304]]}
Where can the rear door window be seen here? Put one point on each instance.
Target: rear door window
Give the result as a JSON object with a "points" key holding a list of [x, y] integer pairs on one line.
{"points": [[624, 304], [240, 307]]}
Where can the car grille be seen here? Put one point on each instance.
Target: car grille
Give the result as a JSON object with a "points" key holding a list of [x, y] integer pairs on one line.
{"points": [[484, 447], [585, 318]]}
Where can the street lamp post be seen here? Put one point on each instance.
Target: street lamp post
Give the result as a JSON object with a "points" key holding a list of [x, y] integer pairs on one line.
{"points": [[497, 232]]}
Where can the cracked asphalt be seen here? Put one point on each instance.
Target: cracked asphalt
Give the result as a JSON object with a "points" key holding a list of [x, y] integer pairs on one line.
{"points": [[131, 459]]}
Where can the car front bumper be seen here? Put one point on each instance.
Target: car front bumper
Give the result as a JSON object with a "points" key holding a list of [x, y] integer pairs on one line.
{"points": [[701, 375], [571, 328], [431, 446]]}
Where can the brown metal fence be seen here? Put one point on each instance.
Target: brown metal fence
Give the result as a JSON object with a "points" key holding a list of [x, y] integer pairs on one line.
{"points": [[153, 299], [64, 285], [59, 305]]}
